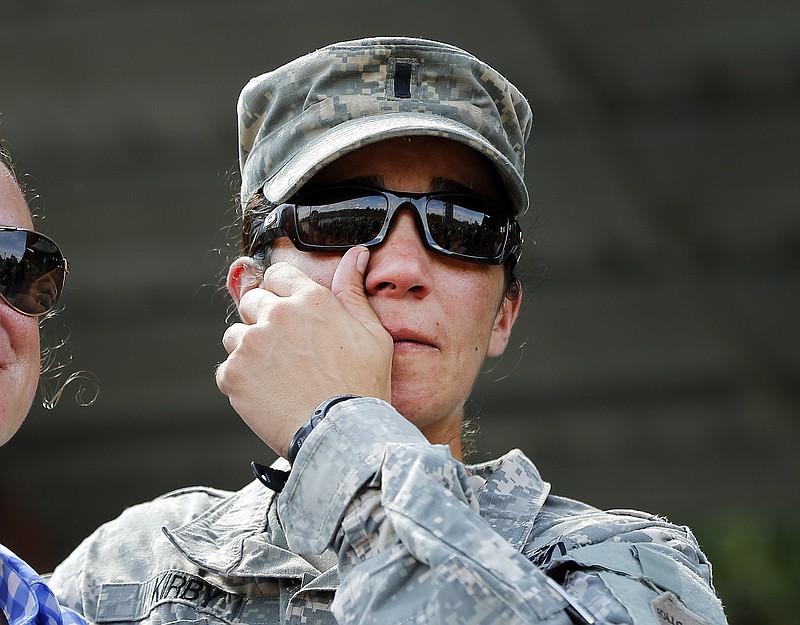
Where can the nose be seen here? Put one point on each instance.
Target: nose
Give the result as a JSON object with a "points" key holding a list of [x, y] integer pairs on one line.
{"points": [[401, 264]]}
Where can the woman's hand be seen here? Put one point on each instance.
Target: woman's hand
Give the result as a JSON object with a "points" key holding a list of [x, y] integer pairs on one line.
{"points": [[300, 343]]}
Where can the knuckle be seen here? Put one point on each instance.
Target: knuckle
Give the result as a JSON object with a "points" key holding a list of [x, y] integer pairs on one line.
{"points": [[221, 378]]}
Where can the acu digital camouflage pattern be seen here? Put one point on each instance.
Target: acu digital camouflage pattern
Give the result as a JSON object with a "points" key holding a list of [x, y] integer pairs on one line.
{"points": [[407, 534], [298, 118], [375, 524]]}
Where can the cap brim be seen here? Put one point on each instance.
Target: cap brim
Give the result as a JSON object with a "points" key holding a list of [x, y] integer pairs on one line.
{"points": [[356, 133]]}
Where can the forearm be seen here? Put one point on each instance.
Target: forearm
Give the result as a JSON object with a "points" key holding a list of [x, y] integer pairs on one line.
{"points": [[411, 542], [415, 546]]}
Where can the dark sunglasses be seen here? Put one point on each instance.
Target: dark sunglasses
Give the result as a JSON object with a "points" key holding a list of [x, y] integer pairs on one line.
{"points": [[32, 271], [468, 227]]}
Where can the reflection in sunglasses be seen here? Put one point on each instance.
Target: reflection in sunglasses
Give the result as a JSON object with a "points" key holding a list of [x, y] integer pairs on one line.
{"points": [[32, 271], [464, 226]]}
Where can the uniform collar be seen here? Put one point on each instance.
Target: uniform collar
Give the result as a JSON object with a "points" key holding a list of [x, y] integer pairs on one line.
{"points": [[511, 496], [242, 536]]}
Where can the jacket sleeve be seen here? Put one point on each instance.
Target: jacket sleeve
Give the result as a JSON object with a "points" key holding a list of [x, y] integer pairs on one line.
{"points": [[412, 546]]}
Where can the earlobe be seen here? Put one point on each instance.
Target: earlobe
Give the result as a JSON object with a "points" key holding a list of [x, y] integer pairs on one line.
{"points": [[243, 275], [503, 324]]}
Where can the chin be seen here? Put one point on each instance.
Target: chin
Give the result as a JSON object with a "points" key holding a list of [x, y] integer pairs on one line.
{"points": [[423, 415]]}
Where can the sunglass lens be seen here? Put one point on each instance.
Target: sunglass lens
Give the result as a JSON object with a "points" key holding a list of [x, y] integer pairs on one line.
{"points": [[31, 271], [470, 231], [340, 219]]}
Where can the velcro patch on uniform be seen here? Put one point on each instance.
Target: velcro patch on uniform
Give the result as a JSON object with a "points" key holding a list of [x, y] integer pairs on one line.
{"points": [[659, 568], [134, 601], [401, 79], [668, 609]]}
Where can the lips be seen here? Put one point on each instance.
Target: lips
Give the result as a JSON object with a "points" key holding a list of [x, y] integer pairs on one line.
{"points": [[406, 337]]}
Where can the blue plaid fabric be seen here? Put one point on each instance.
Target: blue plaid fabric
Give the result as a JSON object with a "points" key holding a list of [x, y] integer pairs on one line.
{"points": [[26, 599]]}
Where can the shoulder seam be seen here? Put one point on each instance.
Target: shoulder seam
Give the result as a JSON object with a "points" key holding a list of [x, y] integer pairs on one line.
{"points": [[188, 490]]}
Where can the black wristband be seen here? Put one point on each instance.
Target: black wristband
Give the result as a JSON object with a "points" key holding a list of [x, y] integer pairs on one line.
{"points": [[318, 415]]}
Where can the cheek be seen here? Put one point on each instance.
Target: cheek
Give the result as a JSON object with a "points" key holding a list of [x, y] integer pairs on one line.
{"points": [[20, 334], [471, 311], [19, 375], [481, 301], [319, 267], [25, 342]]}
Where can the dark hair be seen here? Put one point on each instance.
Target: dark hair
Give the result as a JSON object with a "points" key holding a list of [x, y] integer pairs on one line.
{"points": [[53, 377], [257, 208]]}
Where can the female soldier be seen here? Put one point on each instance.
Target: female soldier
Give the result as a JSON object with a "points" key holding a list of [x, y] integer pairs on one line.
{"points": [[381, 183]]}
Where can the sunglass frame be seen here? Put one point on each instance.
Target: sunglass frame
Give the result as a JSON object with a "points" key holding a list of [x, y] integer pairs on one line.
{"points": [[282, 222]]}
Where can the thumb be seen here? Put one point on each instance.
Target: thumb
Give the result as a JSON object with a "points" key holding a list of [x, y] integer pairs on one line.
{"points": [[348, 287]]}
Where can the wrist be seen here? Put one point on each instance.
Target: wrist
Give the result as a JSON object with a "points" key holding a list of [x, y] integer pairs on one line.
{"points": [[275, 479], [320, 412]]}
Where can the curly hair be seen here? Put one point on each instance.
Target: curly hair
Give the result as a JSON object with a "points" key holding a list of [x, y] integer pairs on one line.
{"points": [[55, 354]]}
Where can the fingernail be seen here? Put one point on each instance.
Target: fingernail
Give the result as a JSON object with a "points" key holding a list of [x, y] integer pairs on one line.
{"points": [[363, 259]]}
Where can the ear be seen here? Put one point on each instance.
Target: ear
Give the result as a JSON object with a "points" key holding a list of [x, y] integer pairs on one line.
{"points": [[243, 275], [503, 323]]}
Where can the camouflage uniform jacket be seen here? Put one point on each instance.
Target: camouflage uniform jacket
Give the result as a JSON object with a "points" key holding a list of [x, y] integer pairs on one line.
{"points": [[400, 531]]}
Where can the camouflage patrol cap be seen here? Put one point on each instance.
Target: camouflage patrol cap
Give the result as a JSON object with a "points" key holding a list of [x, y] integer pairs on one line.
{"points": [[297, 119]]}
